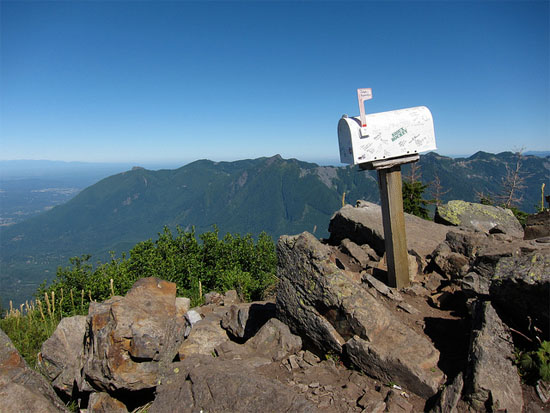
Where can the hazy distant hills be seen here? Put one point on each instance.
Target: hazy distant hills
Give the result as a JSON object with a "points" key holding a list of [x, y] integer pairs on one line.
{"points": [[267, 194], [542, 154]]}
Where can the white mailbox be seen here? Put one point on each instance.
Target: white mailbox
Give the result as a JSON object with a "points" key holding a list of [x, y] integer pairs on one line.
{"points": [[386, 135]]}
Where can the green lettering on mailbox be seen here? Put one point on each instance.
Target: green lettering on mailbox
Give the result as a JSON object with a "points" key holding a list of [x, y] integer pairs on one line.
{"points": [[398, 133]]}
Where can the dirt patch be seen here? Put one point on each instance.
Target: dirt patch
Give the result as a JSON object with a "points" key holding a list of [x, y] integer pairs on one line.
{"points": [[332, 386]]}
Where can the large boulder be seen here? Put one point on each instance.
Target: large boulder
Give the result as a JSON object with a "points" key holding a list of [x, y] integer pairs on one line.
{"points": [[301, 271], [491, 382], [480, 251], [205, 336], [21, 388], [60, 358], [467, 243], [537, 225], [483, 218], [463, 252], [363, 225], [331, 310], [520, 289], [131, 339], [274, 340]]}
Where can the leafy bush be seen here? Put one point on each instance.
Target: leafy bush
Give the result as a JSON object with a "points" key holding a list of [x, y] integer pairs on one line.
{"points": [[195, 265], [234, 261], [535, 365]]}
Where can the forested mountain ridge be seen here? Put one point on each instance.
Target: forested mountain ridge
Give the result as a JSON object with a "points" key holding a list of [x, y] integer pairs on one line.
{"points": [[267, 194], [272, 194], [485, 173], [250, 196]]}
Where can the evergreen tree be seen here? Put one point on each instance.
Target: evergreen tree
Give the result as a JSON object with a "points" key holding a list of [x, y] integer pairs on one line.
{"points": [[413, 189], [413, 203]]}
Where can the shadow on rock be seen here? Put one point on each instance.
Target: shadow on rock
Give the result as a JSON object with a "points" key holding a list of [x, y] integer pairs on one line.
{"points": [[451, 337]]}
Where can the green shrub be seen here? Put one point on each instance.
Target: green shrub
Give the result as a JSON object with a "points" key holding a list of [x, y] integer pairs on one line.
{"points": [[535, 365], [234, 261], [194, 265], [31, 324], [520, 215]]}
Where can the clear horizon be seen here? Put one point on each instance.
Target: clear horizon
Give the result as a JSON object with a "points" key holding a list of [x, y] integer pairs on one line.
{"points": [[164, 82], [322, 161]]}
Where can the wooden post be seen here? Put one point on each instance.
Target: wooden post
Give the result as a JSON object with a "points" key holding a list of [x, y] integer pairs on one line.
{"points": [[393, 218]]}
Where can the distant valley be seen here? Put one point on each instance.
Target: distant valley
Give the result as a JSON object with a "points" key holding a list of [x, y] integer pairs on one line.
{"points": [[23, 198], [28, 187], [276, 195]]}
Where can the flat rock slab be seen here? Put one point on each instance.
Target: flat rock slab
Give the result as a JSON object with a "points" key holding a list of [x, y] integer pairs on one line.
{"points": [[21, 388], [359, 254], [301, 273], [484, 218], [319, 301], [363, 225], [227, 386], [491, 381], [397, 356], [395, 403]]}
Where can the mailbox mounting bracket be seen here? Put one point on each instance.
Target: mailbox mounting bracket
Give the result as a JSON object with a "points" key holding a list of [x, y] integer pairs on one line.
{"points": [[389, 163]]}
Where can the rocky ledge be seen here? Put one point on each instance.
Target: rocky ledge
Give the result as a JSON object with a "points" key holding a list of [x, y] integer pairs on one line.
{"points": [[336, 338]]}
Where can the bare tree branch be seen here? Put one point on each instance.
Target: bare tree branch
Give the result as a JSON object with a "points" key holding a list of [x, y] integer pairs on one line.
{"points": [[513, 183], [437, 191]]}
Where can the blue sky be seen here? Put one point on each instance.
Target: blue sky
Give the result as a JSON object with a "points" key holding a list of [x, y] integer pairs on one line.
{"points": [[176, 81]]}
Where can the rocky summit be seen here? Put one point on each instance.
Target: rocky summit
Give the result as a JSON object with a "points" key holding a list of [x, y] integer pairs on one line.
{"points": [[334, 338]]}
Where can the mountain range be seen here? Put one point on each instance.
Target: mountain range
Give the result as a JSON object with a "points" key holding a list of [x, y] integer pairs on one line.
{"points": [[272, 194]]}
